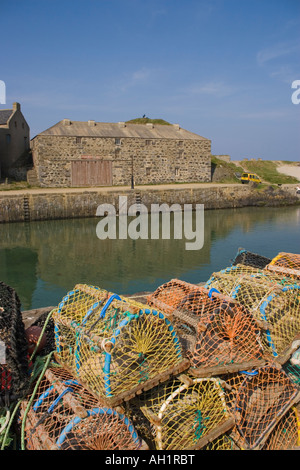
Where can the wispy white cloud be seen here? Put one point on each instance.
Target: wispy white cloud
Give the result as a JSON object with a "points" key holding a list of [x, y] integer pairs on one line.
{"points": [[276, 51], [266, 115], [131, 79], [215, 88], [285, 73], [140, 75], [281, 61]]}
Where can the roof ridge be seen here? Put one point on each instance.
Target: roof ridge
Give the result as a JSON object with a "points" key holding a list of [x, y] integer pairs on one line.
{"points": [[92, 128]]}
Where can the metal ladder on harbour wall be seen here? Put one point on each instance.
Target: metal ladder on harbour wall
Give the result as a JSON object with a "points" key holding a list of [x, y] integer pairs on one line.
{"points": [[138, 201], [26, 208]]}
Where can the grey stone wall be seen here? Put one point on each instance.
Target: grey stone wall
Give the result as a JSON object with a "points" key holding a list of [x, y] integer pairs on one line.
{"points": [[151, 161], [83, 203]]}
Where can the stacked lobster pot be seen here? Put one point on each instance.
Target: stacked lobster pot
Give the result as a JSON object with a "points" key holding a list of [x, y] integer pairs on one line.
{"points": [[240, 329], [194, 367], [286, 264], [108, 349], [273, 302], [114, 346], [66, 416], [269, 415], [217, 332], [14, 363], [185, 413], [219, 336]]}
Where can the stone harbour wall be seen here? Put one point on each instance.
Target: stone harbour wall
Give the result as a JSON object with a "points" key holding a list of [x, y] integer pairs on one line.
{"points": [[60, 204]]}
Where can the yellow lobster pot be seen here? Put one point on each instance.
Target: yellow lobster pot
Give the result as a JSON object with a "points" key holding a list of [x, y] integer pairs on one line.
{"points": [[114, 346]]}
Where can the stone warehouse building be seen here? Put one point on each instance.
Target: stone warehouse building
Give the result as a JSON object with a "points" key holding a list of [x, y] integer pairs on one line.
{"points": [[75, 153]]}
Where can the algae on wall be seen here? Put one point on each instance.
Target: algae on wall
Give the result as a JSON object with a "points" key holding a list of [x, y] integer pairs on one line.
{"points": [[65, 205]]}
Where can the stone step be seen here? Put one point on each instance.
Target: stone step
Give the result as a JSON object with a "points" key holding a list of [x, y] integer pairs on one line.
{"points": [[32, 177]]}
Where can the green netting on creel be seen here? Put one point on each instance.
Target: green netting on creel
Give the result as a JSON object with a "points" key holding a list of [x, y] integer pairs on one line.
{"points": [[293, 371], [186, 413]]}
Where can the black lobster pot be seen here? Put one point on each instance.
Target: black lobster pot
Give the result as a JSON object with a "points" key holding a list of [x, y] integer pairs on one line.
{"points": [[14, 364]]}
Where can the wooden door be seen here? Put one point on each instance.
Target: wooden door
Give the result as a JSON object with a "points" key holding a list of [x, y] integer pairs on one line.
{"points": [[91, 172]]}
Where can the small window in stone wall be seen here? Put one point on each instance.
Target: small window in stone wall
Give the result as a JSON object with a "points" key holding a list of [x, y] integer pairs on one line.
{"points": [[147, 142], [180, 143], [8, 138], [176, 171], [148, 171], [78, 140], [117, 141]]}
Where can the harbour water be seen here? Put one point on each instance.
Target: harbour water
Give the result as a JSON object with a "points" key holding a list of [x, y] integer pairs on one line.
{"points": [[42, 261]]}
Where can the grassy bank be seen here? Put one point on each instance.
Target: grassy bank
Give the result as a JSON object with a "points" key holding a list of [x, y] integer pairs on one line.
{"points": [[226, 172], [267, 170]]}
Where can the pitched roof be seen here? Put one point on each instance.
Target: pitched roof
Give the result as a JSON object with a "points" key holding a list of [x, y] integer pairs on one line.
{"points": [[5, 115], [119, 130]]}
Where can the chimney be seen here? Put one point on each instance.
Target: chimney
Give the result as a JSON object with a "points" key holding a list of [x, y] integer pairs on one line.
{"points": [[91, 123], [66, 122], [150, 124], [122, 124], [16, 107], [177, 126]]}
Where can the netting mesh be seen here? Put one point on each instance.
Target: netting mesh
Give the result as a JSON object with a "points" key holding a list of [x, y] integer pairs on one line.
{"points": [[63, 415], [293, 371], [14, 368], [223, 442], [286, 434], [217, 333], [240, 270], [186, 413], [286, 264], [258, 399], [114, 345], [213, 367], [276, 307]]}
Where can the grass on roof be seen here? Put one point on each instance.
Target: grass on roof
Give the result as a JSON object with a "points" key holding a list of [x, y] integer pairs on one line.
{"points": [[145, 120]]}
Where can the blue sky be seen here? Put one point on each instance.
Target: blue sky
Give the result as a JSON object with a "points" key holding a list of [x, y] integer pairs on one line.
{"points": [[220, 68]]}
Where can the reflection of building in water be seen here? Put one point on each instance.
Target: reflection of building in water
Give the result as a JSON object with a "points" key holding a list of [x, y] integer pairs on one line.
{"points": [[63, 253]]}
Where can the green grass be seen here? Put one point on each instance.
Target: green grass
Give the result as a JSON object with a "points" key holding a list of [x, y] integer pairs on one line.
{"points": [[145, 120], [267, 170], [229, 169], [15, 185]]}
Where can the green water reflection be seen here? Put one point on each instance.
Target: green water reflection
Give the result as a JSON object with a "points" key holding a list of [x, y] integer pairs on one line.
{"points": [[42, 261]]}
